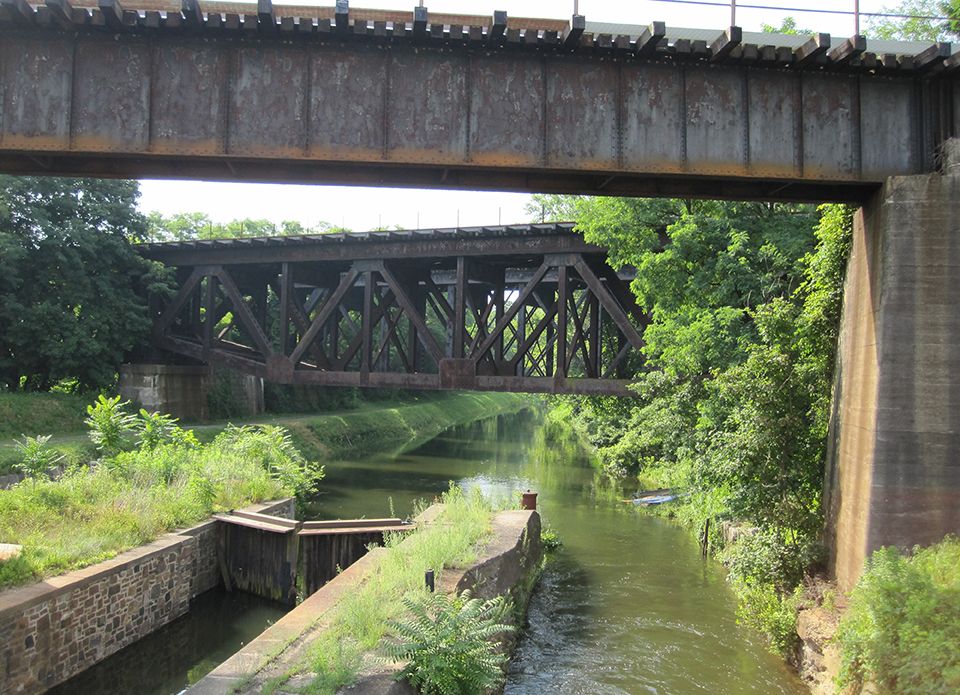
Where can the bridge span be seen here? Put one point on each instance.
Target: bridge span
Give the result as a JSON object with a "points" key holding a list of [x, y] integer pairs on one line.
{"points": [[335, 95], [529, 308]]}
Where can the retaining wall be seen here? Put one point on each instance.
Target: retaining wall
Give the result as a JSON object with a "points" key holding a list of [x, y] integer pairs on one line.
{"points": [[52, 630]]}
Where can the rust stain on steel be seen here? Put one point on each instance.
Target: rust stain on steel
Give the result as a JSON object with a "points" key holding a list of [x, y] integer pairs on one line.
{"points": [[715, 121], [653, 118], [427, 117], [268, 97], [188, 80], [508, 90], [578, 137], [828, 128], [111, 96], [887, 113], [36, 93], [774, 119], [346, 105]]}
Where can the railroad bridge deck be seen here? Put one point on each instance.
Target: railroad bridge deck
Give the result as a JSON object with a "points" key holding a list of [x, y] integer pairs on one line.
{"points": [[257, 92], [527, 308]]}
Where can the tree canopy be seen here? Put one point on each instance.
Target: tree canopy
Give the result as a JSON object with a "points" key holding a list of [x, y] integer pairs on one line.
{"points": [[72, 290]]}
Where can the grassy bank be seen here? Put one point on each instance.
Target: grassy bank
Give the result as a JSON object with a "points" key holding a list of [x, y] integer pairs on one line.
{"points": [[41, 413], [374, 427], [92, 513], [395, 428]]}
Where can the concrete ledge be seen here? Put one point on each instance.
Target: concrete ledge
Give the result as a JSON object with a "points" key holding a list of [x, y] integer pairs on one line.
{"points": [[288, 635]]}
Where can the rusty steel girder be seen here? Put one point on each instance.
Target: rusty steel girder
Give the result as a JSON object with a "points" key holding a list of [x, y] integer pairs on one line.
{"points": [[182, 95], [527, 309]]}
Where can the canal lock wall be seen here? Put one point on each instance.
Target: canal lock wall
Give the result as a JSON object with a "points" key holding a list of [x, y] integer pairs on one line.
{"points": [[507, 566], [54, 629]]}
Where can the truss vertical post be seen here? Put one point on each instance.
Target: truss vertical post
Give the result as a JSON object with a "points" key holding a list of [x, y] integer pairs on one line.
{"points": [[521, 337], [286, 297], [209, 311], [562, 292], [593, 367], [413, 343], [366, 327], [499, 290], [460, 308]]}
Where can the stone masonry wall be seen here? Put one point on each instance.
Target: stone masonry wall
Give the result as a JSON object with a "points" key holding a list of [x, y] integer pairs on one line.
{"points": [[52, 630]]}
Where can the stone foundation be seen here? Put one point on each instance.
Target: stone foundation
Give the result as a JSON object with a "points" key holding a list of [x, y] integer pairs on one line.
{"points": [[182, 391], [52, 630]]}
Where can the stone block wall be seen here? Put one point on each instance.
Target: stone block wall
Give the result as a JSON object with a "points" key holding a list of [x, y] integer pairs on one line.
{"points": [[52, 630]]}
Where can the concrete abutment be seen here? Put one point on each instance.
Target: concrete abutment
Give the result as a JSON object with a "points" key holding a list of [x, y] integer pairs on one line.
{"points": [[184, 390], [893, 464]]}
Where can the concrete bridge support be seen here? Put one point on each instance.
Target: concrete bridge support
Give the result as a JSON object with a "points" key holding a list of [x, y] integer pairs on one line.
{"points": [[893, 471], [183, 391]]}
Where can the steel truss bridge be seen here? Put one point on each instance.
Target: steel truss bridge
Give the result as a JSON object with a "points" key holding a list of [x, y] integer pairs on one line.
{"points": [[528, 308]]}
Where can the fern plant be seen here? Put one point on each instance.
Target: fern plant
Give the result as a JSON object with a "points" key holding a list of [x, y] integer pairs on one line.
{"points": [[449, 644]]}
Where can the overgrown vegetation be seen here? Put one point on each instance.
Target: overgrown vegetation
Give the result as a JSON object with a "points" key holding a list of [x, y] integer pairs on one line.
{"points": [[902, 629], [131, 495], [360, 621], [448, 643], [734, 385]]}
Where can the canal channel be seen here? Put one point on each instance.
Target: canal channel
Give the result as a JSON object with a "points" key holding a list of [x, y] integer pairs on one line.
{"points": [[625, 605]]}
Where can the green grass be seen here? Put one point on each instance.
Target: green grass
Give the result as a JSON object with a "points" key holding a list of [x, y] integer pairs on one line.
{"points": [[41, 413], [360, 619], [375, 427], [93, 513]]}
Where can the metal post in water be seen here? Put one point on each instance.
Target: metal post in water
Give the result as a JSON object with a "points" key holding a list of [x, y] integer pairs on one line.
{"points": [[428, 578]]}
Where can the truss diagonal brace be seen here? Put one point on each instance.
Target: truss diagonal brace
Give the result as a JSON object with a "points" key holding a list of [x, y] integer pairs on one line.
{"points": [[243, 311], [321, 318], [408, 307], [609, 303], [503, 322]]}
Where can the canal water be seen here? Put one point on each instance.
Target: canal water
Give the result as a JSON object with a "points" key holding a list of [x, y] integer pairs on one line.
{"points": [[626, 605]]}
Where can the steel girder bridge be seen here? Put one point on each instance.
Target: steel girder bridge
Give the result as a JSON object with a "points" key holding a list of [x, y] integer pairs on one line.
{"points": [[528, 308]]}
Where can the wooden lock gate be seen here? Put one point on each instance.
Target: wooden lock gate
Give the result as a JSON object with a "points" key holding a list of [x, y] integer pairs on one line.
{"points": [[272, 557]]}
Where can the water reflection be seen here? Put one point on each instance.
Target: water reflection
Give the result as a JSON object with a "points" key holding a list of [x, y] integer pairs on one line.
{"points": [[626, 606], [181, 653]]}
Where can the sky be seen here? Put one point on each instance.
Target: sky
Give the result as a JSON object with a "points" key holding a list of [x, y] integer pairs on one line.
{"points": [[362, 208]]}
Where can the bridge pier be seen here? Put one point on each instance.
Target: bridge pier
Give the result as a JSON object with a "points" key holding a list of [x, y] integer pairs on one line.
{"points": [[183, 390], [893, 469]]}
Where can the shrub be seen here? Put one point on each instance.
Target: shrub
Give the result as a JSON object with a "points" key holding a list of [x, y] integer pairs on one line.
{"points": [[449, 643], [902, 628], [36, 456], [154, 429], [110, 426]]}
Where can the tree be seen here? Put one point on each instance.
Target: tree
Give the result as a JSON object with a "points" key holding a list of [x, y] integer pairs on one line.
{"points": [[197, 225], [72, 290], [916, 24]]}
